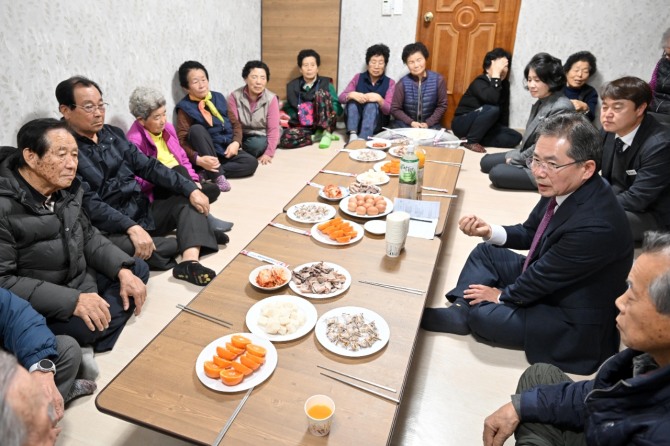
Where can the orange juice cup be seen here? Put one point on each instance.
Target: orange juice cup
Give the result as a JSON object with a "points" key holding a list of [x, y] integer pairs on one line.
{"points": [[319, 410]]}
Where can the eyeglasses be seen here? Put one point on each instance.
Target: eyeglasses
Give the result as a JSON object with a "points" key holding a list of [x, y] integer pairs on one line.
{"points": [[549, 167], [90, 108]]}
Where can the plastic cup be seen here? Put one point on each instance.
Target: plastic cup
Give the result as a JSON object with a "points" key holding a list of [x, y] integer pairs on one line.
{"points": [[319, 410]]}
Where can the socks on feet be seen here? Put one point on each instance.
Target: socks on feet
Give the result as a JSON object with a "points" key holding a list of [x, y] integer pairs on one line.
{"points": [[88, 369], [80, 387], [316, 137], [193, 272], [325, 140], [218, 224]]}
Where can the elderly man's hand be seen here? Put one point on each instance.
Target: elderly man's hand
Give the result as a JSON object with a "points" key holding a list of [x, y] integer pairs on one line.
{"points": [[199, 201], [142, 241], [474, 227], [500, 425], [132, 286], [46, 381], [93, 310]]}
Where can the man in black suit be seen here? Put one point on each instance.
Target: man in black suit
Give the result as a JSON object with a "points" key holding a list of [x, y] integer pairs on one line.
{"points": [[636, 155], [558, 302]]}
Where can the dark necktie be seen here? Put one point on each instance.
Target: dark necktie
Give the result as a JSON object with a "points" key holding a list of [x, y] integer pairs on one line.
{"points": [[540, 231], [618, 146]]}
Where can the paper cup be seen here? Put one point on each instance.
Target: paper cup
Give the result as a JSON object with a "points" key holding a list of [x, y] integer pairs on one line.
{"points": [[319, 410], [397, 227]]}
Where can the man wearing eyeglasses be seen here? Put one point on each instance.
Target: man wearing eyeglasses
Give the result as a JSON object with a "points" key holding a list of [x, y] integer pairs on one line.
{"points": [[636, 155], [556, 303], [108, 166]]}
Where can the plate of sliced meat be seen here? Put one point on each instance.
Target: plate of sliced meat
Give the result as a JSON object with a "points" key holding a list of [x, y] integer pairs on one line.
{"points": [[320, 280]]}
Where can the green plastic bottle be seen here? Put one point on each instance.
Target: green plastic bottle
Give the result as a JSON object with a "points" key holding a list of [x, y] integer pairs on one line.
{"points": [[408, 176]]}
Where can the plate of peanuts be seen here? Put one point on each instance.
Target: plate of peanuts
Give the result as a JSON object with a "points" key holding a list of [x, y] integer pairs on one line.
{"points": [[366, 205]]}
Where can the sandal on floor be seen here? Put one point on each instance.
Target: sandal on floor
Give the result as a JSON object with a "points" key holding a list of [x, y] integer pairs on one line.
{"points": [[193, 272]]}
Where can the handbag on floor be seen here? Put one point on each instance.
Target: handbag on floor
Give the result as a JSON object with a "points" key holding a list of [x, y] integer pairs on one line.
{"points": [[295, 137]]}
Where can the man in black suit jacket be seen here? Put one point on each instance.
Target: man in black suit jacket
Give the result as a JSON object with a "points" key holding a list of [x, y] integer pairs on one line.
{"points": [[557, 303], [636, 155]]}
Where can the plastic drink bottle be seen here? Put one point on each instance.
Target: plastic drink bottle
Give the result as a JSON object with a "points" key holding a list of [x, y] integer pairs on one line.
{"points": [[409, 171]]}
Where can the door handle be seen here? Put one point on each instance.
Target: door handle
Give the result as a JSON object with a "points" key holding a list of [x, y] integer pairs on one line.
{"points": [[428, 17]]}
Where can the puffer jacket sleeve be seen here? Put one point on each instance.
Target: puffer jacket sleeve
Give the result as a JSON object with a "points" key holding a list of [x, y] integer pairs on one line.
{"points": [[101, 254], [48, 299], [23, 330], [561, 405]]}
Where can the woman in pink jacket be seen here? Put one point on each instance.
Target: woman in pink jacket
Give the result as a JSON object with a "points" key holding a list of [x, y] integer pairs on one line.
{"points": [[156, 137]]}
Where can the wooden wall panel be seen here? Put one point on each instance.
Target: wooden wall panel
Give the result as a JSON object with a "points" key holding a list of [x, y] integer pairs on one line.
{"points": [[289, 26]]}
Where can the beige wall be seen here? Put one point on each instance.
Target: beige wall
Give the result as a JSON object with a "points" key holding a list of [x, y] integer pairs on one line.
{"points": [[126, 43]]}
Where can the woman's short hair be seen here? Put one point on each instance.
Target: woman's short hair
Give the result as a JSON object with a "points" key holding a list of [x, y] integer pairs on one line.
{"points": [[308, 53], [416, 47], [378, 50], [494, 54], [629, 87], [548, 69], [255, 64], [144, 101], [186, 68], [581, 56]]}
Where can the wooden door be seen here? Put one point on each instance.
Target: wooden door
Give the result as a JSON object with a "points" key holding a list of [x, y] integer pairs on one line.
{"points": [[459, 35], [289, 26]]}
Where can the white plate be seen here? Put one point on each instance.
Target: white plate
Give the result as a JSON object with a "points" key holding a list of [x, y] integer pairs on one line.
{"points": [[371, 144], [253, 274], [393, 151], [345, 208], [308, 309], [338, 268], [418, 134], [260, 375], [364, 178], [377, 227], [328, 214], [378, 168], [369, 315], [345, 193], [375, 155], [324, 238]]}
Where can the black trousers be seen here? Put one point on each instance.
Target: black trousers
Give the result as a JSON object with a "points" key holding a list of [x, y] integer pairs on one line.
{"points": [[241, 165], [505, 176], [481, 126], [498, 324], [211, 190], [109, 290]]}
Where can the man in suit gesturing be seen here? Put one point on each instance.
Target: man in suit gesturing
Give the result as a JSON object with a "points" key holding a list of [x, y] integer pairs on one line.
{"points": [[558, 302], [636, 155]]}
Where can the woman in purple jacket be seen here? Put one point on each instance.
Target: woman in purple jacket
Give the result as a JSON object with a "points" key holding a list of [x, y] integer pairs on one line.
{"points": [[156, 137]]}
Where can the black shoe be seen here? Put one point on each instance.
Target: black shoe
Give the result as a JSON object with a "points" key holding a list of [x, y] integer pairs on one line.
{"points": [[453, 319], [221, 237]]}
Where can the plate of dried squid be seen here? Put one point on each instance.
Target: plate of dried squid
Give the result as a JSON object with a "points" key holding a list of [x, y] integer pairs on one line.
{"points": [[352, 331], [320, 280]]}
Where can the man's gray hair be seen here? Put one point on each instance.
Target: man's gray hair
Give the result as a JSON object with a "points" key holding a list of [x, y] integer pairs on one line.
{"points": [[659, 289], [144, 101], [12, 428], [665, 40], [585, 140]]}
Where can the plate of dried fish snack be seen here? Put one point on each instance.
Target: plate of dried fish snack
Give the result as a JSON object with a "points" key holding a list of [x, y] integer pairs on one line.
{"points": [[352, 331], [320, 280], [281, 318], [312, 212], [366, 155]]}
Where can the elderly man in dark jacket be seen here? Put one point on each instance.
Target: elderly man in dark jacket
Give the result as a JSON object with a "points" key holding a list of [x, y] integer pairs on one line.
{"points": [[50, 255], [113, 199], [627, 401]]}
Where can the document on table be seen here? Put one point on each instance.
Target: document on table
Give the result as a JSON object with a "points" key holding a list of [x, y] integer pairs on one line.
{"points": [[423, 216]]}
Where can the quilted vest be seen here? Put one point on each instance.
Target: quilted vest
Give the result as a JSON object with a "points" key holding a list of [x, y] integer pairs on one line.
{"points": [[426, 100], [253, 123], [221, 132]]}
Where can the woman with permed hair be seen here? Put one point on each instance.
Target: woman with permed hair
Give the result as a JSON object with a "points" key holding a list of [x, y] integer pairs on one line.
{"points": [[257, 109], [420, 97], [545, 79], [660, 83], [368, 95], [578, 70]]}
